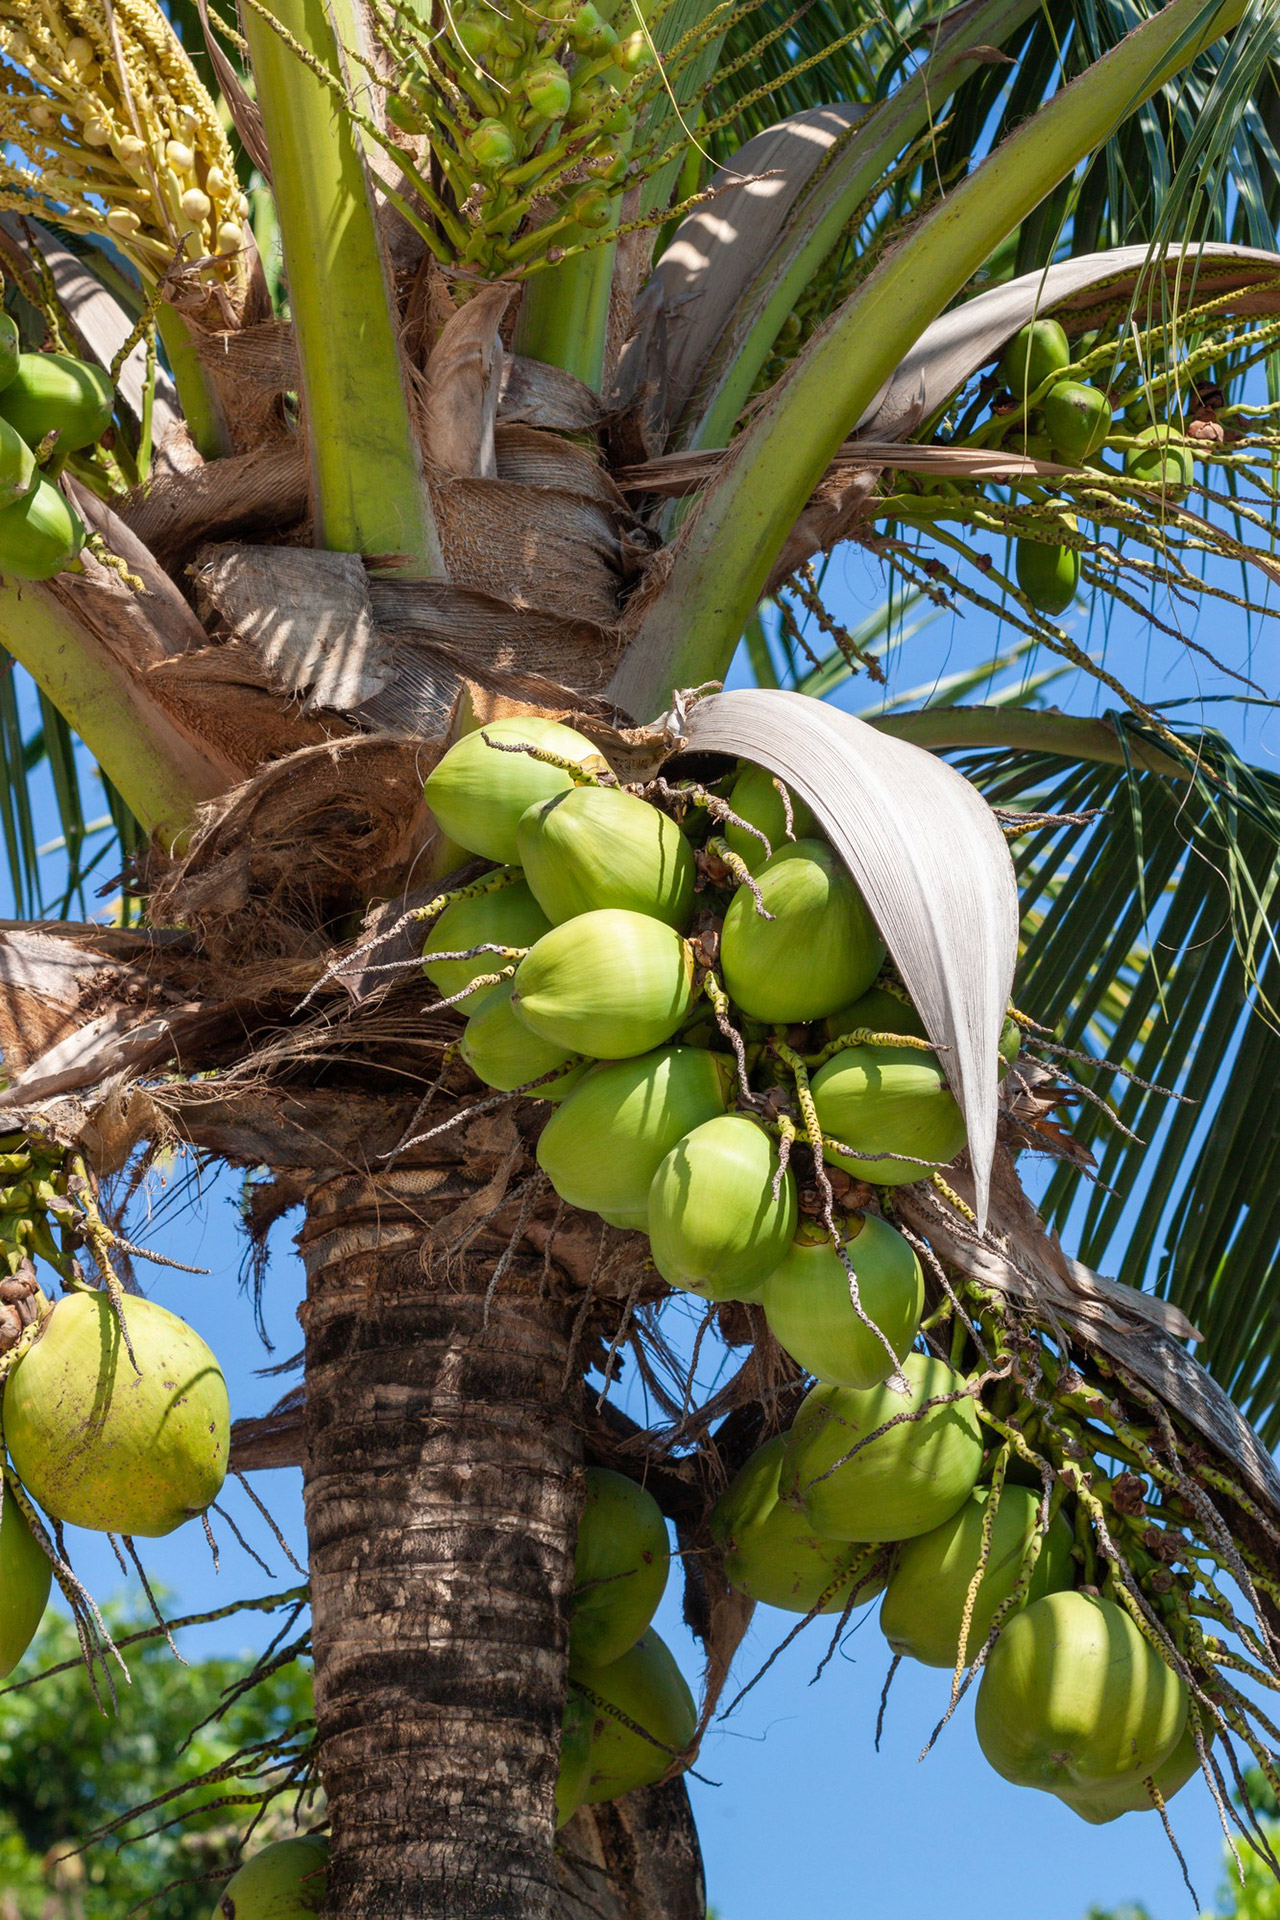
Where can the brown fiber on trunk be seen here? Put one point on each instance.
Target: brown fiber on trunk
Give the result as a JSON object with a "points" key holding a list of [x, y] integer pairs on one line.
{"points": [[442, 1492]]}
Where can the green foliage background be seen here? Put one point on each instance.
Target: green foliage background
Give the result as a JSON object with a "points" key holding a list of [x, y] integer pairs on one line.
{"points": [[66, 1768]]}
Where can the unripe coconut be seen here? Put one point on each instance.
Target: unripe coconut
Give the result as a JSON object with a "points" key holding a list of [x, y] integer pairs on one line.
{"points": [[647, 1688], [611, 983], [924, 1606], [820, 950], [10, 348], [1047, 574], [809, 1307], [101, 1446], [17, 465], [1133, 1795], [632, 1222], [53, 390], [1035, 352], [603, 1147], [885, 1100], [1078, 419], [547, 89], [491, 146], [1076, 1702], [285, 1881], [504, 1053], [771, 1552], [908, 1479], [40, 534], [508, 916], [1162, 459], [594, 847], [714, 1225], [478, 793], [755, 797], [25, 1574], [879, 1011], [619, 1570], [574, 1770]]}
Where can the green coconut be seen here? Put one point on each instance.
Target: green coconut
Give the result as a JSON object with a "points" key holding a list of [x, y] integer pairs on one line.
{"points": [[644, 1687], [17, 465], [1162, 459], [636, 1222], [809, 1307], [507, 916], [610, 983], [1047, 574], [755, 798], [881, 1101], [924, 1606], [600, 847], [714, 1225], [52, 392], [604, 1145], [1133, 1795], [620, 1569], [478, 793], [40, 534], [907, 1479], [25, 1574], [9, 348], [101, 1446], [1078, 419], [1035, 353], [820, 950], [574, 1770], [771, 1552], [504, 1053], [286, 1881], [1076, 1702]]}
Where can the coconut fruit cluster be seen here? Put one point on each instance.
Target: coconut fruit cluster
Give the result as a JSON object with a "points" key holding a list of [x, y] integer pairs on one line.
{"points": [[690, 979], [51, 405]]}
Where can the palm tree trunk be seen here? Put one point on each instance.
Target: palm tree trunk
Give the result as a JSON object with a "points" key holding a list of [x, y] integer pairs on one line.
{"points": [[442, 1493]]}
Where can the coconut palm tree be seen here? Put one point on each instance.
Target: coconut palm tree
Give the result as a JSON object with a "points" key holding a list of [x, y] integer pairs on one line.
{"points": [[472, 362]]}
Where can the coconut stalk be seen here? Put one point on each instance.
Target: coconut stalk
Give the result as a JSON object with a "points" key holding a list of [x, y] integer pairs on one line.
{"points": [[730, 542], [369, 492]]}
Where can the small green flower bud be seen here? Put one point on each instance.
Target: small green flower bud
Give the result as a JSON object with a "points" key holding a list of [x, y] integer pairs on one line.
{"points": [[633, 53], [548, 90], [592, 208], [491, 145], [592, 35]]}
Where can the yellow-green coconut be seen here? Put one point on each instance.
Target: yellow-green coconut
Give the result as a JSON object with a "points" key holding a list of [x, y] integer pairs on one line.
{"points": [[809, 1304], [619, 1570], [478, 793], [820, 950], [286, 1881], [603, 1146], [593, 847], [25, 1574], [505, 916], [646, 1689], [715, 1227], [771, 1552], [610, 983], [884, 1101], [503, 1052]]}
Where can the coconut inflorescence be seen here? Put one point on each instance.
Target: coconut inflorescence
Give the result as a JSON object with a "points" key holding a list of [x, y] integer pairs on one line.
{"points": [[689, 979]]}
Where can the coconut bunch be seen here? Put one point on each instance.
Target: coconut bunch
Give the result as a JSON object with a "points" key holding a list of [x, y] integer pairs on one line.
{"points": [[691, 986], [113, 1411], [116, 134], [51, 406]]}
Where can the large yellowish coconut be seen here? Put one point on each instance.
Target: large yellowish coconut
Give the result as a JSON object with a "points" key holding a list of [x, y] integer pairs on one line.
{"points": [[611, 983], [478, 793], [25, 1574], [924, 1607], [1076, 1702], [285, 1881], [101, 1446], [606, 1142], [504, 1053], [600, 847], [883, 1101], [506, 916], [619, 1570], [1134, 1795], [819, 951], [808, 1301], [715, 1227], [909, 1478], [642, 1716], [771, 1552]]}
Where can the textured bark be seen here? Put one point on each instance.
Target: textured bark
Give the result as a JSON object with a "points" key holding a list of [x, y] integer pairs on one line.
{"points": [[442, 1490]]}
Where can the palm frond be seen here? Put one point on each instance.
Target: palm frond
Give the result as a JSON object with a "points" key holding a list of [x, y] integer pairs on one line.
{"points": [[1148, 941]]}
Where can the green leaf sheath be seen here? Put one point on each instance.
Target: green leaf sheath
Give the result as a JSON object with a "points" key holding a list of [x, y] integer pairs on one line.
{"points": [[368, 489], [731, 540], [162, 775]]}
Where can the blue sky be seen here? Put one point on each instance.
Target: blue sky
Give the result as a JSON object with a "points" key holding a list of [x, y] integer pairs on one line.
{"points": [[802, 1811]]}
